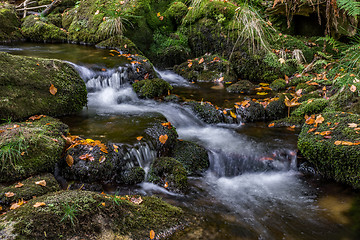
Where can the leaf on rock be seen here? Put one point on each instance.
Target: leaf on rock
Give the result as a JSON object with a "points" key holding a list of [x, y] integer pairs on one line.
{"points": [[166, 185], [167, 124], [102, 159], [352, 125], [163, 138], [87, 157], [232, 114], [9, 194], [69, 160], [152, 234], [139, 138], [41, 183], [53, 89], [19, 185], [39, 204], [319, 119]]}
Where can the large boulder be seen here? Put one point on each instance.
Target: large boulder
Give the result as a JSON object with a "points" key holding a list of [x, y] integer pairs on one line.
{"points": [[27, 87], [152, 88], [9, 27], [90, 215], [333, 146], [30, 148]]}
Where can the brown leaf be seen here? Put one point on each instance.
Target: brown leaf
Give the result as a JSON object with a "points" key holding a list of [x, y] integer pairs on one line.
{"points": [[102, 159], [163, 138], [319, 119], [53, 89], [311, 130], [41, 183], [147, 75], [9, 194], [69, 160], [19, 185], [136, 201], [39, 204], [152, 234], [310, 121]]}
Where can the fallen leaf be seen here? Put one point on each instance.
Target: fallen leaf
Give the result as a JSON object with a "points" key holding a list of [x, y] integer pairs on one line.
{"points": [[190, 64], [319, 119], [201, 60], [139, 138], [69, 160], [232, 114], [264, 84], [266, 159], [9, 194], [353, 88], [161, 18], [87, 157], [102, 159], [14, 206], [282, 61], [224, 111], [163, 138], [41, 183], [136, 201], [19, 185], [103, 204], [352, 125], [39, 204], [166, 185], [337, 142], [261, 93], [271, 125], [53, 89], [167, 124], [325, 133], [152, 234], [146, 76], [311, 130]]}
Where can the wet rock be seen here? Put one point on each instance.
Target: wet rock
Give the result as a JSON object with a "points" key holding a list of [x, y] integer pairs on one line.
{"points": [[278, 84], [36, 30], [29, 189], [30, 148], [169, 173], [243, 86], [207, 112], [90, 215], [25, 87], [122, 44], [151, 88], [276, 109], [172, 98], [255, 112], [193, 157], [289, 122], [10, 24], [335, 154], [313, 106]]}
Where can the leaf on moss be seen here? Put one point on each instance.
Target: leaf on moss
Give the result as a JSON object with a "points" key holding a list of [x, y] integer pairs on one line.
{"points": [[69, 160], [19, 185], [152, 234], [353, 88], [53, 89], [39, 204], [41, 183], [9, 194], [163, 138]]}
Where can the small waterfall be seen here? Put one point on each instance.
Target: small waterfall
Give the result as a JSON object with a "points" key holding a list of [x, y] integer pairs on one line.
{"points": [[144, 153]]}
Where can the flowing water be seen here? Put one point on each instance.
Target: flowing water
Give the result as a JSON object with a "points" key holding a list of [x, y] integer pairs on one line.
{"points": [[253, 188]]}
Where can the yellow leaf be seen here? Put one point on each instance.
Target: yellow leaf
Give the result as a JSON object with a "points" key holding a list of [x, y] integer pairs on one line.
{"points": [[163, 138], [190, 64], [152, 234], [352, 125], [263, 84], [201, 60], [9, 194], [19, 185], [69, 160], [39, 204], [158, 14], [103, 204], [271, 125], [53, 89], [41, 183], [261, 93], [232, 114], [337, 142]]}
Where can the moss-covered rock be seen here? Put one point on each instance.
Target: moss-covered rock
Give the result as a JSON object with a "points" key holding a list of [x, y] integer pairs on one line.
{"points": [[206, 111], [243, 86], [276, 109], [122, 44], [208, 68], [29, 189], [30, 148], [312, 106], [25, 83], [335, 154], [89, 215], [345, 100], [36, 30], [289, 122], [193, 157], [254, 112], [305, 88], [10, 24], [152, 88], [309, 96], [169, 173], [176, 12], [278, 84]]}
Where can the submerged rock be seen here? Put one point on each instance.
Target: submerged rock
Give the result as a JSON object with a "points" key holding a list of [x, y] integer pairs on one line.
{"points": [[25, 87], [89, 215], [30, 148], [169, 173], [332, 146], [28, 189]]}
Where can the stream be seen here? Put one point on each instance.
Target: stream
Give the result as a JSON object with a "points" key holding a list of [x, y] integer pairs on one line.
{"points": [[243, 195]]}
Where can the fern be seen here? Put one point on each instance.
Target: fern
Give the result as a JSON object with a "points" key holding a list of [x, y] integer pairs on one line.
{"points": [[351, 7]]}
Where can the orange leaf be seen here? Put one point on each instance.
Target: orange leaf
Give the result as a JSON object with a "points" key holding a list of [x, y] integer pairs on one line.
{"points": [[190, 64], [168, 124], [224, 111], [232, 114], [139, 138], [161, 18], [14, 206], [53, 89], [166, 185], [69, 160], [19, 185], [152, 234], [39, 204], [146, 76], [310, 121], [353, 88], [346, 143], [41, 183], [311, 130], [163, 138], [319, 119], [103, 204], [201, 60], [271, 125], [325, 133], [337, 142], [9, 194]]}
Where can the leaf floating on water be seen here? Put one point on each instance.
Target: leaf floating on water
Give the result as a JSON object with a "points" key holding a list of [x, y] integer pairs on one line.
{"points": [[69, 160], [152, 234], [19, 185], [139, 138], [39, 204], [163, 138], [41, 183], [9, 194], [53, 89]]}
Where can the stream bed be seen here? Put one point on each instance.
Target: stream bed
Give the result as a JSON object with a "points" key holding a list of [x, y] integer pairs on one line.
{"points": [[243, 195]]}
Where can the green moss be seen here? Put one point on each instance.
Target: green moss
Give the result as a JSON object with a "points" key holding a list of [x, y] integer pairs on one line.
{"points": [[276, 109], [44, 146], [9, 27], [309, 96], [95, 216], [243, 86], [193, 157], [29, 189], [206, 112], [151, 88], [176, 12], [305, 88], [25, 84], [36, 30], [122, 44], [278, 84], [337, 161], [134, 176], [169, 170], [289, 121], [255, 112], [345, 100], [311, 107]]}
